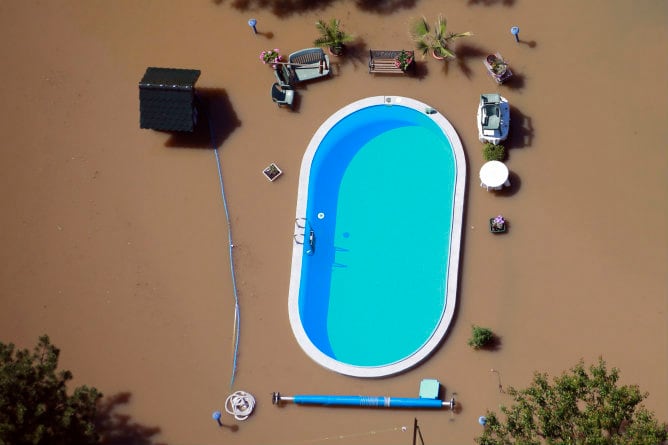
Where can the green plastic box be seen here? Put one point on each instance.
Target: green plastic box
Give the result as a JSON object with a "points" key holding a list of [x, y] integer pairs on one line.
{"points": [[429, 389]]}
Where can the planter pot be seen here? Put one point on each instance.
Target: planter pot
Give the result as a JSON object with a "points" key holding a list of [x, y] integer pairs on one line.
{"points": [[272, 172], [494, 229], [497, 64], [436, 56], [337, 50], [497, 67], [500, 69]]}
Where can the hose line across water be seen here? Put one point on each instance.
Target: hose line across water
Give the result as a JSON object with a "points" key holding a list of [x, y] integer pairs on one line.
{"points": [[236, 326]]}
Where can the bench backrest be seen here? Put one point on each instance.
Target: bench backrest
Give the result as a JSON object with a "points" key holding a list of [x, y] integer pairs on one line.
{"points": [[307, 56]]}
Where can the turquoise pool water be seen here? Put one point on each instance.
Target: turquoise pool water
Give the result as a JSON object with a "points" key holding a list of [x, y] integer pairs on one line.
{"points": [[373, 284]]}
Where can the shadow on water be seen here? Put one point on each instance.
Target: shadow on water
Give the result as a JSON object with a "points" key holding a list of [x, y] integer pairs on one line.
{"points": [[517, 82], [521, 131], [492, 2], [506, 192], [495, 343], [466, 52], [284, 8], [119, 429], [357, 53], [384, 6], [296, 103], [280, 8], [421, 69], [214, 107]]}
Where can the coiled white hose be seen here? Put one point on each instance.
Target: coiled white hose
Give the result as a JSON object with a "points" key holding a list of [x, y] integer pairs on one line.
{"points": [[240, 404]]}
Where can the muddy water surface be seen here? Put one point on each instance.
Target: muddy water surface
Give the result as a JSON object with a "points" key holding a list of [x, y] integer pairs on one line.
{"points": [[115, 240]]}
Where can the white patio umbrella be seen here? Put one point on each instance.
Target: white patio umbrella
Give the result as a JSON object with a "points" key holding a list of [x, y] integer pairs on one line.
{"points": [[494, 175]]}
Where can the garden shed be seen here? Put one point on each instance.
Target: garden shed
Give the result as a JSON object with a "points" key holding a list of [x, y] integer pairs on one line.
{"points": [[167, 99]]}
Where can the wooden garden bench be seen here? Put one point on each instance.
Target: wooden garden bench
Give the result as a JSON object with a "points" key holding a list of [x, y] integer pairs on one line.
{"points": [[383, 62]]}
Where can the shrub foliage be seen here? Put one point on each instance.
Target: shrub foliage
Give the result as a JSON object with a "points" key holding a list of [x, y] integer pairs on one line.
{"points": [[480, 337], [34, 405], [579, 407], [493, 152]]}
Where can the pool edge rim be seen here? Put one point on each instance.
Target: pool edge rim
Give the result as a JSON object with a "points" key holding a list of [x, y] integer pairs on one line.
{"points": [[455, 242]]}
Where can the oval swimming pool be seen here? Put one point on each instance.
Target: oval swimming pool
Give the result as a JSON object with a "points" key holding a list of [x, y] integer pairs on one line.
{"points": [[377, 237]]}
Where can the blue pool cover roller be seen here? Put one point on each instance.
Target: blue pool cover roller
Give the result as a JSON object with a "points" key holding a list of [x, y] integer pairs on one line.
{"points": [[365, 401]]}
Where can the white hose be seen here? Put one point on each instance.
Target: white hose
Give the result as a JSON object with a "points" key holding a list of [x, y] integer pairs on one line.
{"points": [[240, 404]]}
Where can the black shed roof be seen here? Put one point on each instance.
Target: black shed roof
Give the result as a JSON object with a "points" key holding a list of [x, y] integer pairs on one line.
{"points": [[167, 99]]}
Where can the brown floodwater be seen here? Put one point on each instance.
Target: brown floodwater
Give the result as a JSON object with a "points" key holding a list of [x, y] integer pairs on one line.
{"points": [[114, 239]]}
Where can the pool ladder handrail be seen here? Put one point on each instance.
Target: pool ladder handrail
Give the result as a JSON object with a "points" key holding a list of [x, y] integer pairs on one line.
{"points": [[298, 226], [302, 234]]}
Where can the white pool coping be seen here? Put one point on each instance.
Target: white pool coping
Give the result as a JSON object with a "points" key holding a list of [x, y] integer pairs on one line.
{"points": [[455, 242]]}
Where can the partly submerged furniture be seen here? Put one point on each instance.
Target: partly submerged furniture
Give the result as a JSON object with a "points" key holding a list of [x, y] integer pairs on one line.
{"points": [[497, 67], [167, 99], [282, 96], [385, 62], [493, 118], [309, 63], [282, 74], [430, 389], [303, 65], [272, 172], [494, 176]]}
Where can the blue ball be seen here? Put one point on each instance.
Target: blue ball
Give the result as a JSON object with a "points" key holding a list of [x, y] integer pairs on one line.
{"points": [[216, 415], [482, 420]]}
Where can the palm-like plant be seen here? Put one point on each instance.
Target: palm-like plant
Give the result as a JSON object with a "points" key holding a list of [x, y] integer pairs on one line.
{"points": [[332, 36], [436, 40]]}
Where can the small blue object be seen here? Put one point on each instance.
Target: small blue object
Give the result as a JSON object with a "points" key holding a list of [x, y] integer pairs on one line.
{"points": [[482, 420], [216, 415], [252, 23], [515, 30]]}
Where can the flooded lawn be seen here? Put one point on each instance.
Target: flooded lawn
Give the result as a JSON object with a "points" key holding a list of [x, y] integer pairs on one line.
{"points": [[115, 239]]}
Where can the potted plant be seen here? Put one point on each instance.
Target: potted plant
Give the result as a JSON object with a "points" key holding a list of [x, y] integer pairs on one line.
{"points": [[497, 224], [332, 36], [271, 56], [499, 66], [272, 172], [403, 60], [436, 40]]}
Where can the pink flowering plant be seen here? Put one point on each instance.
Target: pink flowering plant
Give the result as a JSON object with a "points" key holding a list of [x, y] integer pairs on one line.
{"points": [[403, 60], [498, 222], [271, 56]]}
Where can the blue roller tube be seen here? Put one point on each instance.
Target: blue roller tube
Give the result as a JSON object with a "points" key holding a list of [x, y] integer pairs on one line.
{"points": [[366, 401]]}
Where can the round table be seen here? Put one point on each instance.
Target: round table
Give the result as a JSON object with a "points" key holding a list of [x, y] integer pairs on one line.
{"points": [[494, 175]]}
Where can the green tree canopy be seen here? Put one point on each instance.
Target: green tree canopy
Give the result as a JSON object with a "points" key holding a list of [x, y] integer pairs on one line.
{"points": [[34, 405], [579, 407]]}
